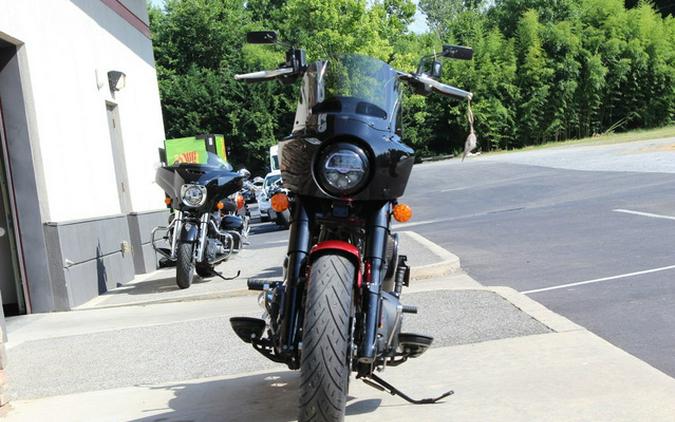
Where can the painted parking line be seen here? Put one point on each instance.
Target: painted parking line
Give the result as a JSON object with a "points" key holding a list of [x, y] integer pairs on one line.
{"points": [[645, 214], [275, 242], [419, 223], [598, 280], [455, 189]]}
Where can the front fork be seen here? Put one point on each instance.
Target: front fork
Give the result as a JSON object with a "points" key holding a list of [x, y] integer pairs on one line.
{"points": [[177, 227], [178, 223], [203, 230], [378, 225], [298, 252]]}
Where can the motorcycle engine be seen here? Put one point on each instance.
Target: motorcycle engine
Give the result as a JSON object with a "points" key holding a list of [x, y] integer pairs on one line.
{"points": [[392, 318], [214, 247]]}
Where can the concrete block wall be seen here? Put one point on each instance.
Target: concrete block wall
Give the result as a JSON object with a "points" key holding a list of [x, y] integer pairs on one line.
{"points": [[140, 229], [88, 258]]}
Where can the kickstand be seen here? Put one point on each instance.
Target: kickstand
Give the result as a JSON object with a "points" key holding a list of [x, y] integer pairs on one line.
{"points": [[216, 273], [382, 385]]}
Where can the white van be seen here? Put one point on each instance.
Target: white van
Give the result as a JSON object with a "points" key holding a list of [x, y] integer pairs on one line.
{"points": [[274, 158]]}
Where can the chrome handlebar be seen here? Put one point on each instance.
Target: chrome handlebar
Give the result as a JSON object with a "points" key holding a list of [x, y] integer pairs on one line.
{"points": [[264, 74], [439, 87], [443, 88]]}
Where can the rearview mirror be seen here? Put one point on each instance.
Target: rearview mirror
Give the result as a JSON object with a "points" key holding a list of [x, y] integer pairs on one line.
{"points": [[457, 52], [431, 68], [261, 37], [436, 69], [245, 174]]}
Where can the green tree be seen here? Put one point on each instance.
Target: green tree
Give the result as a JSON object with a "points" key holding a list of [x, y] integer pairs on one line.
{"points": [[534, 80], [542, 70]]}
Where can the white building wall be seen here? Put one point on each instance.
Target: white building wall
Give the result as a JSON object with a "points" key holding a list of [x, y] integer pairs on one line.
{"points": [[77, 40]]}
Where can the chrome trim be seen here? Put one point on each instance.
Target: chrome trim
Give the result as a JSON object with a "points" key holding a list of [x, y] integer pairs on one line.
{"points": [[229, 234], [178, 226], [185, 187], [203, 229], [153, 238]]}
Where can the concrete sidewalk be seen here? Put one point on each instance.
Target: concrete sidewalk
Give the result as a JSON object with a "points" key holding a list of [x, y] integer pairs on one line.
{"points": [[507, 358], [573, 376]]}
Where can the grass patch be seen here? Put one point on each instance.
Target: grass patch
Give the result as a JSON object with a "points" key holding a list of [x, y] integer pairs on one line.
{"points": [[610, 138]]}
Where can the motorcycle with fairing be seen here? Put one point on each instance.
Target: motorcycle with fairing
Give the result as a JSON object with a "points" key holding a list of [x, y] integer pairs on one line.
{"points": [[338, 309], [207, 225]]}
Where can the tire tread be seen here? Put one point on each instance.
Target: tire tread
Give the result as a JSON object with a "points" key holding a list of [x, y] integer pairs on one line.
{"points": [[324, 364]]}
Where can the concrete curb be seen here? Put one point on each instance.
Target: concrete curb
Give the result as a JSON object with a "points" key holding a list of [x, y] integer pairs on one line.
{"points": [[536, 310], [449, 262]]}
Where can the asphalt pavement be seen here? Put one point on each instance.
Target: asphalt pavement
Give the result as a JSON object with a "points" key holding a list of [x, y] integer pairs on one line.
{"points": [[546, 218]]}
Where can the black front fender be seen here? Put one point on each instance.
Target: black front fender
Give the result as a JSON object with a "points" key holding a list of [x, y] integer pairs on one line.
{"points": [[189, 233]]}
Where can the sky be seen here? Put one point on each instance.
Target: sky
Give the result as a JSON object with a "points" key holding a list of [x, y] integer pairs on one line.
{"points": [[418, 26]]}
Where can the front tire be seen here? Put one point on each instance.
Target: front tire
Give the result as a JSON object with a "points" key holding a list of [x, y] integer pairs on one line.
{"points": [[185, 268], [326, 340]]}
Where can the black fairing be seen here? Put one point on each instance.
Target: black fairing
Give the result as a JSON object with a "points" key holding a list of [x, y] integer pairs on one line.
{"points": [[392, 160], [219, 183], [370, 121]]}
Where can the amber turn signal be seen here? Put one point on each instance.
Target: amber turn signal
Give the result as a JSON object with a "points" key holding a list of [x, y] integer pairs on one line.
{"points": [[279, 202], [240, 201], [167, 201], [220, 205], [402, 212]]}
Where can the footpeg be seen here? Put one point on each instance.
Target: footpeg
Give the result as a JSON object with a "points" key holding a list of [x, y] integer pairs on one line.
{"points": [[414, 345], [248, 329], [409, 309], [260, 284]]}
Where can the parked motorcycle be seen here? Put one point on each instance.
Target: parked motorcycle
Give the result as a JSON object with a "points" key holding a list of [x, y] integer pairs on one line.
{"points": [[206, 226], [339, 306], [279, 213]]}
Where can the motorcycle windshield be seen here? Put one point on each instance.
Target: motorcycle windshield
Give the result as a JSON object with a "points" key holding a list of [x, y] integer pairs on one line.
{"points": [[201, 159], [363, 87], [369, 80]]}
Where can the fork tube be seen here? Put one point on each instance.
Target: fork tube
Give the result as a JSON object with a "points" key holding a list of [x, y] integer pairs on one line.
{"points": [[375, 249], [178, 219], [298, 249], [203, 230]]}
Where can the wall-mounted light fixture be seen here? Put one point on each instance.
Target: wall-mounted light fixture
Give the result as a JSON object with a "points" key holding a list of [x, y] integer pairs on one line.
{"points": [[117, 80]]}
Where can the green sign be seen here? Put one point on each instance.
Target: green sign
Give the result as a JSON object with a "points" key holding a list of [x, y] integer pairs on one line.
{"points": [[193, 149]]}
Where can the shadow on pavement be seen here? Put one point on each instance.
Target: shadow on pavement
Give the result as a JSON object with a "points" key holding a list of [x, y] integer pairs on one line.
{"points": [[159, 285], [262, 397], [263, 228], [268, 273]]}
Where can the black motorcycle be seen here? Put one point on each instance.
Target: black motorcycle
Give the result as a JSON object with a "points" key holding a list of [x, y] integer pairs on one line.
{"points": [[338, 308], [206, 226]]}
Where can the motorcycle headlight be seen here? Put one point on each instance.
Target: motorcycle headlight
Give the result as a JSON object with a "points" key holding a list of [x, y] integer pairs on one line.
{"points": [[193, 195], [342, 169]]}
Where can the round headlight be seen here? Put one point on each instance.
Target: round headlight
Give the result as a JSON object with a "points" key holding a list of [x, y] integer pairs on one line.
{"points": [[193, 195], [342, 169]]}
